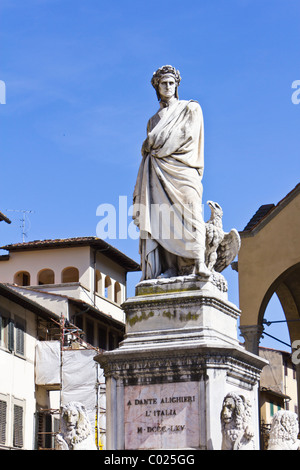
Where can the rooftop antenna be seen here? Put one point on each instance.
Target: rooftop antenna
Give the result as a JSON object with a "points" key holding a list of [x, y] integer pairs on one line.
{"points": [[23, 219]]}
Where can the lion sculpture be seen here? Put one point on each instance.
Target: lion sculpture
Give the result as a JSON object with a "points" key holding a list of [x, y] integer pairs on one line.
{"points": [[236, 415], [284, 431], [76, 431]]}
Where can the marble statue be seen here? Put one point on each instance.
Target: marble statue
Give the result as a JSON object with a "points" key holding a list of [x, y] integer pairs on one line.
{"points": [[221, 247], [76, 432], [284, 431], [168, 192], [236, 415]]}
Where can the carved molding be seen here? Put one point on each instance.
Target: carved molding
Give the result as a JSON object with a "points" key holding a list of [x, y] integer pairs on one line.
{"points": [[185, 366], [132, 307]]}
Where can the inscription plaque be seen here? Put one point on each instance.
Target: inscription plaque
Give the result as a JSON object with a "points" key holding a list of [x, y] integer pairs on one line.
{"points": [[162, 416]]}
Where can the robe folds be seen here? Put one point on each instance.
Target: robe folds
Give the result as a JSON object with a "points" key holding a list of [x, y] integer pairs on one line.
{"points": [[168, 192]]}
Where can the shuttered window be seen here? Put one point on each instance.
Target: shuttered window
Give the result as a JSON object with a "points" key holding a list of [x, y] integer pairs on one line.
{"points": [[3, 408], [19, 336], [18, 426], [12, 334], [3, 330]]}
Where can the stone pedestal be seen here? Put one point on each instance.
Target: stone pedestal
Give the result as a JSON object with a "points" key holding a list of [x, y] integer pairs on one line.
{"points": [[180, 357]]}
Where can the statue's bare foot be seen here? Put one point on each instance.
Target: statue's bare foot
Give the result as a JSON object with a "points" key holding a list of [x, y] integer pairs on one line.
{"points": [[171, 272]]}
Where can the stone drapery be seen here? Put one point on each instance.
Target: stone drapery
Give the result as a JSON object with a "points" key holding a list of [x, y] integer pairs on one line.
{"points": [[168, 192]]}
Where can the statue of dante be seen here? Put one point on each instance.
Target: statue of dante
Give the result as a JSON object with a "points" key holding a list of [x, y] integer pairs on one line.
{"points": [[168, 192]]}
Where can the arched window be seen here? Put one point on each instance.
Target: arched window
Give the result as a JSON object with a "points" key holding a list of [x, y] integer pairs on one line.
{"points": [[118, 293], [70, 274], [108, 288], [45, 276], [22, 278], [98, 282]]}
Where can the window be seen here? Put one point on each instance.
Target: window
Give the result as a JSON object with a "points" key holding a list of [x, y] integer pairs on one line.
{"points": [[272, 409], [108, 287], [111, 341], [6, 331], [90, 332], [70, 275], [22, 278], [3, 418], [18, 426], [101, 338], [12, 333], [47, 427], [46, 276], [118, 293], [98, 282], [20, 336], [4, 319], [78, 321]]}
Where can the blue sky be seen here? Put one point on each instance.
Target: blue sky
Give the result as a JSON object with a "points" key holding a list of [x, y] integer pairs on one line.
{"points": [[78, 97]]}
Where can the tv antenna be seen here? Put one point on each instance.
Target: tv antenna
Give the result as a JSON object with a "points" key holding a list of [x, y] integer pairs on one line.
{"points": [[25, 226]]}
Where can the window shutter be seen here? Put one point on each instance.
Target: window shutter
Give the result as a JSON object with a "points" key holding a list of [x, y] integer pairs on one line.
{"points": [[18, 426], [11, 341], [3, 406], [20, 329]]}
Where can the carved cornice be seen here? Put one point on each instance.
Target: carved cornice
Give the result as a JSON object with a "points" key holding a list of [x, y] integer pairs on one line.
{"points": [[157, 367], [171, 301]]}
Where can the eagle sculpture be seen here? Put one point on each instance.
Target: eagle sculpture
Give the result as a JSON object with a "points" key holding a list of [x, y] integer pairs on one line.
{"points": [[221, 247]]}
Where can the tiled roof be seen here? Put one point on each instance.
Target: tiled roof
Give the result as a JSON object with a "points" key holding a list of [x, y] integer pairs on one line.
{"points": [[97, 243], [25, 302], [268, 209], [258, 216], [22, 290]]}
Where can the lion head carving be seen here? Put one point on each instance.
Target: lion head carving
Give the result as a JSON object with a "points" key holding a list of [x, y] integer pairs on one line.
{"points": [[284, 431], [76, 431], [236, 415]]}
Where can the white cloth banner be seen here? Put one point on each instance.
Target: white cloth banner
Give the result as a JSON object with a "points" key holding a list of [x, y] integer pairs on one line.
{"points": [[47, 363], [79, 379], [78, 373]]}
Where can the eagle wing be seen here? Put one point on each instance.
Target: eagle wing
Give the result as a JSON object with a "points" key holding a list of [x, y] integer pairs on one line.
{"points": [[227, 250]]}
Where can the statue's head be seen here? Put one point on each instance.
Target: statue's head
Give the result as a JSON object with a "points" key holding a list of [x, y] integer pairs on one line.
{"points": [[163, 74]]}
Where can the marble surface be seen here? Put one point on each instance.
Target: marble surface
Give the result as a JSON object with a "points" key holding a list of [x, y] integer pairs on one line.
{"points": [[162, 416]]}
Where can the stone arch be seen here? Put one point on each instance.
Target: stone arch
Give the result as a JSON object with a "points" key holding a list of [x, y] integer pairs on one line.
{"points": [[45, 276], [118, 293], [287, 289], [22, 278], [98, 282], [269, 263], [108, 288], [70, 274]]}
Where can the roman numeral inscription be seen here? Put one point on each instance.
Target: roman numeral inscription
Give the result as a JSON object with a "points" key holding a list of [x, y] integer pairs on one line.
{"points": [[161, 415]]}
